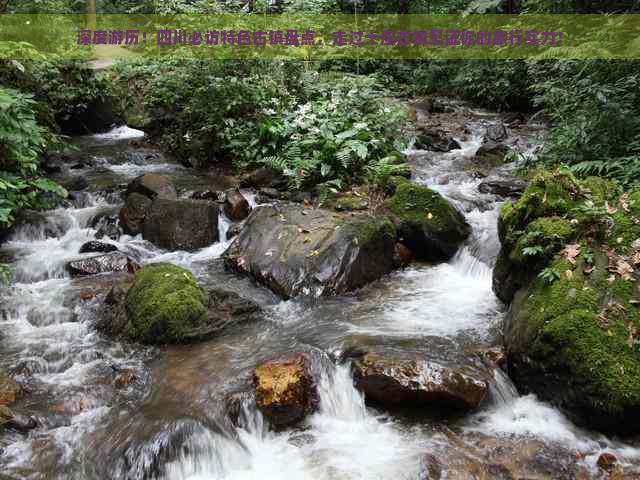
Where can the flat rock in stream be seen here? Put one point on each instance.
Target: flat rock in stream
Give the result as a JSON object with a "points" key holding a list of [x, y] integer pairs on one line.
{"points": [[111, 262], [436, 140], [418, 383], [505, 187], [152, 185], [295, 250], [10, 391], [97, 247]]}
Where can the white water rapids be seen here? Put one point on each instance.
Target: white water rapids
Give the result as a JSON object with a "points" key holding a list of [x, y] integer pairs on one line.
{"points": [[52, 344]]}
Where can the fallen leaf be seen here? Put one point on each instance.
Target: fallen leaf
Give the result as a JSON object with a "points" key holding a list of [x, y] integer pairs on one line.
{"points": [[570, 252], [544, 198], [568, 274], [633, 333], [306, 240], [429, 215], [314, 253], [611, 279], [624, 269], [636, 258], [619, 239], [610, 209], [307, 203]]}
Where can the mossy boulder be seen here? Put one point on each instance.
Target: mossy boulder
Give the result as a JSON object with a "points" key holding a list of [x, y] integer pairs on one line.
{"points": [[428, 224], [164, 304], [569, 265], [295, 250]]}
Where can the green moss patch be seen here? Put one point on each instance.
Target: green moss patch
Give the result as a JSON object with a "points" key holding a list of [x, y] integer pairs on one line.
{"points": [[164, 304]]}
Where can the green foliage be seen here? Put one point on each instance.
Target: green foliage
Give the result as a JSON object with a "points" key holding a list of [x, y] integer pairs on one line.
{"points": [[22, 141], [344, 130], [549, 275]]}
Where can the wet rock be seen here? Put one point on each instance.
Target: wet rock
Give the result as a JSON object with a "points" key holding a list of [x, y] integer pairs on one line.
{"points": [[106, 224], [489, 156], [496, 133], [263, 177], [436, 140], [94, 247], [430, 105], [513, 119], [495, 356], [152, 185], [181, 224], [505, 187], [87, 294], [295, 250], [10, 391], [607, 461], [208, 195], [402, 382], [236, 207], [428, 224], [133, 213], [301, 197], [285, 391], [402, 256], [15, 421], [75, 184], [350, 203], [430, 468], [112, 262], [125, 378]]}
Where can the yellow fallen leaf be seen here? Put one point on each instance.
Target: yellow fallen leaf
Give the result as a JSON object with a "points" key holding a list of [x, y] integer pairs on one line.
{"points": [[568, 274], [429, 215]]}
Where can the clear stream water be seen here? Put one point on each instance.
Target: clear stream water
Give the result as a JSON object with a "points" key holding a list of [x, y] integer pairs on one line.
{"points": [[171, 421]]}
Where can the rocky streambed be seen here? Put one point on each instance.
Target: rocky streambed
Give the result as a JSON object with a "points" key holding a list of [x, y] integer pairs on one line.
{"points": [[152, 330]]}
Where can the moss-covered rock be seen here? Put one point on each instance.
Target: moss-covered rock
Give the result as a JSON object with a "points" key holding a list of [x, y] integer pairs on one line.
{"points": [[164, 304], [428, 224], [569, 261]]}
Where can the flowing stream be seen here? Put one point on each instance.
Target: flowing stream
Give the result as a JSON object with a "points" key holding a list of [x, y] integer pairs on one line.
{"points": [[171, 422]]}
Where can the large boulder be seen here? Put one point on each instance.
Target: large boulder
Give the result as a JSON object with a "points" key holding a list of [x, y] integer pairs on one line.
{"points": [[263, 177], [15, 421], [429, 225], [236, 207], [181, 224], [571, 334], [418, 382], [152, 185], [97, 247], [285, 390], [489, 156], [111, 262], [164, 304], [295, 250], [133, 213]]}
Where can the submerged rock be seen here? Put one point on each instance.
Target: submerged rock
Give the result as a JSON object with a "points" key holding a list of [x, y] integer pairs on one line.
{"points": [[295, 250], [112, 262], [181, 224], [427, 223], [236, 207], [572, 272], [285, 391], [93, 247], [415, 382], [489, 156]]}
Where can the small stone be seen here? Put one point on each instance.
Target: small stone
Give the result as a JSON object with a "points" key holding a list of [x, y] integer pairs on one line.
{"points": [[236, 207]]}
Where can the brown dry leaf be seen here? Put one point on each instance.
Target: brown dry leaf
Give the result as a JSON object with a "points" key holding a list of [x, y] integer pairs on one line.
{"points": [[610, 209], [624, 201], [635, 259], [568, 274], [570, 252], [307, 203], [611, 279], [604, 321], [624, 269]]}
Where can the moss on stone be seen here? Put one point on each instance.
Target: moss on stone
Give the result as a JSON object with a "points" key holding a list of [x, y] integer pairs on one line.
{"points": [[421, 205], [366, 228], [164, 304], [600, 189], [547, 233]]}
